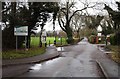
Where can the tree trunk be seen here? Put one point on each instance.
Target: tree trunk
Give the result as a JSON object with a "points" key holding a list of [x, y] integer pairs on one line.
{"points": [[78, 35], [40, 42], [28, 41], [28, 37], [69, 36]]}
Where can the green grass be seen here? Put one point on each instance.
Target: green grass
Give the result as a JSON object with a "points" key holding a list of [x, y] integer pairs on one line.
{"points": [[35, 41], [13, 54], [51, 39], [58, 40], [33, 51]]}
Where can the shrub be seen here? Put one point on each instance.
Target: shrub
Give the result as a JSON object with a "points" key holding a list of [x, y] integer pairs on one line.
{"points": [[114, 39], [92, 39], [117, 37]]}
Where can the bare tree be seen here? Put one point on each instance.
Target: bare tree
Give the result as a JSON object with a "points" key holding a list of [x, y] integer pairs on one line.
{"points": [[65, 16], [77, 23]]}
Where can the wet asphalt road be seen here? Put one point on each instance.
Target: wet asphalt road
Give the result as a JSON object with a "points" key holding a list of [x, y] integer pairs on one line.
{"points": [[75, 61]]}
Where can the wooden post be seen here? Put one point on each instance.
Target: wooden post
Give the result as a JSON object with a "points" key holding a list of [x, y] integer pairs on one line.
{"points": [[16, 44]]}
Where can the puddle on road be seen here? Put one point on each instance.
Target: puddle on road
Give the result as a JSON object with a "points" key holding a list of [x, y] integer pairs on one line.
{"points": [[36, 67], [48, 63], [82, 43], [60, 49]]}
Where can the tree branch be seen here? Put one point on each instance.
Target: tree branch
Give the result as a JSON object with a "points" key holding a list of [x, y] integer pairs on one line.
{"points": [[76, 12], [72, 4], [60, 24], [63, 11], [79, 10]]}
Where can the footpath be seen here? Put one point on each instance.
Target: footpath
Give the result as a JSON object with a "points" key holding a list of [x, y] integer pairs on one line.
{"points": [[50, 53], [110, 68]]}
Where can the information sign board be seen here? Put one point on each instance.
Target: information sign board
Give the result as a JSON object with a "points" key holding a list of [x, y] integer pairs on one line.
{"points": [[21, 30]]}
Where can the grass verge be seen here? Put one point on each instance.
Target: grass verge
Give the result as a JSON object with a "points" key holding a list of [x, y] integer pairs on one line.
{"points": [[13, 54], [115, 55]]}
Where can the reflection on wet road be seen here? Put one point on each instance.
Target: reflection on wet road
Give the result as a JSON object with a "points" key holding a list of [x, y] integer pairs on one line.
{"points": [[75, 61], [60, 49]]}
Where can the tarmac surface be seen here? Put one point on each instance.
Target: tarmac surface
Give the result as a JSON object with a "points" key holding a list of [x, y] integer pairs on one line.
{"points": [[79, 60], [75, 61]]}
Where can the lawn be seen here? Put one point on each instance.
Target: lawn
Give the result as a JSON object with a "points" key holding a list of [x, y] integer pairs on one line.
{"points": [[21, 53], [35, 41]]}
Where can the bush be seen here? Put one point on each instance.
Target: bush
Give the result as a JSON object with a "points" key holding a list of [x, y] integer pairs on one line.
{"points": [[114, 39], [92, 39], [117, 36]]}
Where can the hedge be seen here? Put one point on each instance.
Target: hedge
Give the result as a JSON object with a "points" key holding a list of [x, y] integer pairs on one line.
{"points": [[115, 39], [92, 39]]}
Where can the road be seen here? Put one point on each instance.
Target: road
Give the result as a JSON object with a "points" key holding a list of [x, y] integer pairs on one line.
{"points": [[75, 61]]}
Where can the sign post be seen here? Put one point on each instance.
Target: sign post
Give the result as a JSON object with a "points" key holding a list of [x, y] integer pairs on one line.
{"points": [[16, 43], [44, 34], [25, 42], [21, 31]]}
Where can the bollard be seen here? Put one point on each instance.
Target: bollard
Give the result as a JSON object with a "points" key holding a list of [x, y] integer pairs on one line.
{"points": [[49, 42], [61, 41], [45, 44], [54, 42]]}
